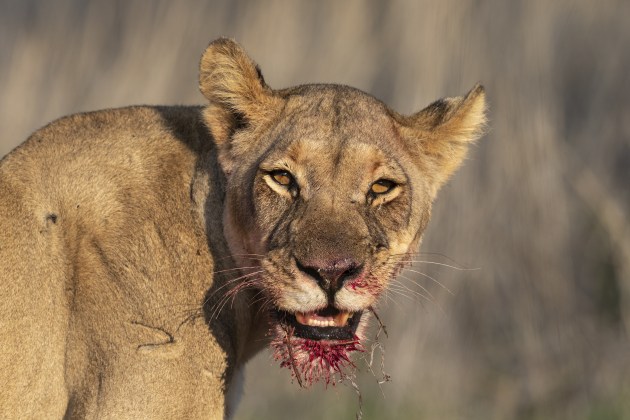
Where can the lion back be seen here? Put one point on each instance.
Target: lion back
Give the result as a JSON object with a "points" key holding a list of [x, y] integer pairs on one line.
{"points": [[105, 259]]}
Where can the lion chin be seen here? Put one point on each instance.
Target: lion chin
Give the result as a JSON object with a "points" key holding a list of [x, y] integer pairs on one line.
{"points": [[317, 346]]}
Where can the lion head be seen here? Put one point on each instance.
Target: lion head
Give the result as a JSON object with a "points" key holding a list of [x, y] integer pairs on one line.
{"points": [[328, 190]]}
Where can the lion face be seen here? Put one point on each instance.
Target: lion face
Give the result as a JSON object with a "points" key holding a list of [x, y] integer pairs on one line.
{"points": [[331, 207], [328, 190]]}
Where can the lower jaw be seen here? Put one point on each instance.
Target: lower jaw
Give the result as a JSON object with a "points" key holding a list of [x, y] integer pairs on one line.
{"points": [[324, 358]]}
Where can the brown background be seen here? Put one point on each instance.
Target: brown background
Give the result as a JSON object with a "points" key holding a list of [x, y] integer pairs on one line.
{"points": [[538, 329]]}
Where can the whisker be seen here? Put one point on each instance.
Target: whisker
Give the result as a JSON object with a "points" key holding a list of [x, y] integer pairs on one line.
{"points": [[235, 269], [264, 306], [400, 292], [246, 256], [242, 285], [259, 300], [218, 307], [427, 253], [388, 296], [258, 293], [432, 279], [402, 288], [227, 295], [231, 295], [229, 283], [441, 264], [398, 285], [432, 299], [424, 289]]}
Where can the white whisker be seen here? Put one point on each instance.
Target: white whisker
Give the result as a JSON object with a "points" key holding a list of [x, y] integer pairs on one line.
{"points": [[440, 264], [431, 278], [401, 286]]}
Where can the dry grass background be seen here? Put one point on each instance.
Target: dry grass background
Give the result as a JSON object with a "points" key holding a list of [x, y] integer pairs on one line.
{"points": [[539, 330]]}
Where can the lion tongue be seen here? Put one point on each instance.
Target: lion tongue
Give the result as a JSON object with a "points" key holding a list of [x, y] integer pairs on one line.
{"points": [[312, 319]]}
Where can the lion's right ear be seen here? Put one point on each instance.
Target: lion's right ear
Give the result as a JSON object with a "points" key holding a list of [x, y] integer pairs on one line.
{"points": [[239, 98]]}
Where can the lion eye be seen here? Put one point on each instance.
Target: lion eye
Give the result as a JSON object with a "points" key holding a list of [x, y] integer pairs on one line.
{"points": [[382, 186], [283, 178]]}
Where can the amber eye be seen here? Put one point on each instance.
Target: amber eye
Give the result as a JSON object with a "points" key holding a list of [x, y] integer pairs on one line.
{"points": [[283, 178], [382, 186]]}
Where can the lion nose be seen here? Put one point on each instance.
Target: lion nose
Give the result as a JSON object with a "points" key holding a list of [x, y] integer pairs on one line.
{"points": [[331, 275]]}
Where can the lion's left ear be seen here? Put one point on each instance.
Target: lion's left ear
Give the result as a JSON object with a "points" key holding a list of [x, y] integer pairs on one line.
{"points": [[442, 132]]}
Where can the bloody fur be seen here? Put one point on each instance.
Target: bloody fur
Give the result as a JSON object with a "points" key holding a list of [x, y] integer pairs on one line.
{"points": [[312, 361], [366, 285]]}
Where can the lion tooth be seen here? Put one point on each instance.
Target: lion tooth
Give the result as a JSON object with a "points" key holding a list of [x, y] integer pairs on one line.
{"points": [[341, 319], [314, 320], [301, 318]]}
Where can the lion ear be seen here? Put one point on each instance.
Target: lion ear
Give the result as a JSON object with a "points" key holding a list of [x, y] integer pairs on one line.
{"points": [[443, 131], [239, 98]]}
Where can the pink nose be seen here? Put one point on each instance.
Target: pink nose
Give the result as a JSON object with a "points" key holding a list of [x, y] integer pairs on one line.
{"points": [[331, 275]]}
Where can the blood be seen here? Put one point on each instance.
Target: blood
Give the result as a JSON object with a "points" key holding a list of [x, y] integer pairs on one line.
{"points": [[312, 361], [359, 283], [363, 285]]}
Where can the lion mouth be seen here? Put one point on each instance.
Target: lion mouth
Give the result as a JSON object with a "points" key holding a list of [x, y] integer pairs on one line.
{"points": [[325, 324], [316, 346]]}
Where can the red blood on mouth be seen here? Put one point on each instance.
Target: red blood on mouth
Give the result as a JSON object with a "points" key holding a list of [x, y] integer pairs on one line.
{"points": [[359, 283], [316, 360], [364, 285], [333, 355]]}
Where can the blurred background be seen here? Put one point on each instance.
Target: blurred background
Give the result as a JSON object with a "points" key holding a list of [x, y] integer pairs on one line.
{"points": [[531, 320]]}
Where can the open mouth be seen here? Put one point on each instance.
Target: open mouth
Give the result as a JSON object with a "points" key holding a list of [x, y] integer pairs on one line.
{"points": [[325, 324]]}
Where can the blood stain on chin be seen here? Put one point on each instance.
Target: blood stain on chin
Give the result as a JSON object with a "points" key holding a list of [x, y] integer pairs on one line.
{"points": [[317, 360]]}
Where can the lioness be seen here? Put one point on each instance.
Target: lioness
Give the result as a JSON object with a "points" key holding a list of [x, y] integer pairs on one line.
{"points": [[146, 253]]}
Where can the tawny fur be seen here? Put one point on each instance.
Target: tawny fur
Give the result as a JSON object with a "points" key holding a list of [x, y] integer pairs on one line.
{"points": [[119, 230]]}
